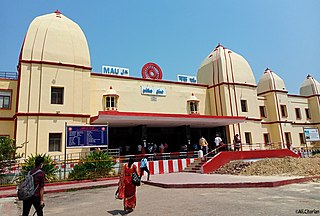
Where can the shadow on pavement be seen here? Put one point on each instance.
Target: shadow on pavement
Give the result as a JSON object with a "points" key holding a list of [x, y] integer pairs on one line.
{"points": [[118, 212]]}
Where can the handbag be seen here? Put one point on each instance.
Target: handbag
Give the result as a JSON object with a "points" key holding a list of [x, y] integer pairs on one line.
{"points": [[136, 179]]}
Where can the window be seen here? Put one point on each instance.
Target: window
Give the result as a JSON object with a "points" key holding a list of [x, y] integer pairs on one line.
{"points": [[298, 113], [57, 95], [288, 139], [193, 106], [263, 112], [302, 138], [248, 137], [55, 142], [244, 107], [266, 138], [111, 103], [5, 99], [308, 113], [283, 110]]}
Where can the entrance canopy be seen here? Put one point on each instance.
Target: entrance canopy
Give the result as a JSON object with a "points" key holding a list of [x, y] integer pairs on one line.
{"points": [[130, 119]]}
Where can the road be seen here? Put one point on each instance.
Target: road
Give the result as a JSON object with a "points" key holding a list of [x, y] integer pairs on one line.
{"points": [[284, 200]]}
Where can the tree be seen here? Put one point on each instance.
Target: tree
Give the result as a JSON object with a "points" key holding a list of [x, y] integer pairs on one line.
{"points": [[8, 151]]}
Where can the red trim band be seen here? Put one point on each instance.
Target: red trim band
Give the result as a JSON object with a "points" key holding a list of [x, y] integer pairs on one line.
{"points": [[147, 80], [282, 91], [116, 113], [233, 83], [6, 118], [53, 114], [55, 63]]}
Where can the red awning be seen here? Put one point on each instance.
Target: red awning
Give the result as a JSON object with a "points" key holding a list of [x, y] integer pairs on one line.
{"points": [[130, 119]]}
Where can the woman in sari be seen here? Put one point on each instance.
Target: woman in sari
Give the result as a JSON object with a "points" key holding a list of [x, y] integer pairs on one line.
{"points": [[126, 189]]}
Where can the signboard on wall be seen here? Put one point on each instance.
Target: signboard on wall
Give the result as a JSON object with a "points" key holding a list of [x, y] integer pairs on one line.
{"points": [[187, 79], [153, 91], [115, 70], [311, 134], [86, 136]]}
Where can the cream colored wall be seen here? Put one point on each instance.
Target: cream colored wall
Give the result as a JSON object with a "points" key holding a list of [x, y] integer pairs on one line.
{"points": [[34, 132], [35, 97], [38, 96], [131, 99], [314, 105]]}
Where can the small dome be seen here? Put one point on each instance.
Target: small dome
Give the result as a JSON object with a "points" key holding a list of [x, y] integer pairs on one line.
{"points": [[270, 81], [55, 38], [224, 65], [111, 92], [193, 98], [310, 87]]}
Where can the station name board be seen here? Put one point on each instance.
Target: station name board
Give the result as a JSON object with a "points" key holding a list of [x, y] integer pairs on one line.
{"points": [[187, 79], [86, 136], [115, 70], [154, 91]]}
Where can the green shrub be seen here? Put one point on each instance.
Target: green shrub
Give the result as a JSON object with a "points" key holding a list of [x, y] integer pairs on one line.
{"points": [[97, 164], [48, 167]]}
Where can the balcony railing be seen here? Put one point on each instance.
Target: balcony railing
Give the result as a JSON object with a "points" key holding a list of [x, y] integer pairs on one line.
{"points": [[8, 75]]}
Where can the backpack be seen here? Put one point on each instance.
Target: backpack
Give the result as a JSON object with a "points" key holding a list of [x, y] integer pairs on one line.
{"points": [[26, 188]]}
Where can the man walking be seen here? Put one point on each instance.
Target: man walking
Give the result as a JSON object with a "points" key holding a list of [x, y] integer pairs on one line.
{"points": [[144, 167], [37, 199]]}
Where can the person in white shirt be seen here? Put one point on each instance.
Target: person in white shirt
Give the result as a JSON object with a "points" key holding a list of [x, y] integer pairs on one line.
{"points": [[139, 149], [144, 167], [218, 140]]}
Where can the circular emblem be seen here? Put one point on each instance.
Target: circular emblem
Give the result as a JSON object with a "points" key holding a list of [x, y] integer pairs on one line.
{"points": [[151, 71]]}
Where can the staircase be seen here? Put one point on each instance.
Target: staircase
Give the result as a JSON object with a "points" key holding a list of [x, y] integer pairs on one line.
{"points": [[195, 167]]}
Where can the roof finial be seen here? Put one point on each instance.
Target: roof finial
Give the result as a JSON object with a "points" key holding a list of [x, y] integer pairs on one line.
{"points": [[219, 45], [110, 87], [58, 13]]}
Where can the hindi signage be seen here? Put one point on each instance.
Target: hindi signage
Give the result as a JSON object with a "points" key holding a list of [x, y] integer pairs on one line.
{"points": [[154, 91], [187, 79], [86, 136], [311, 134]]}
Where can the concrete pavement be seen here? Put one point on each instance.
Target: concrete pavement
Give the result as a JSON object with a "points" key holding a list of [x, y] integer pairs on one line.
{"points": [[174, 180]]}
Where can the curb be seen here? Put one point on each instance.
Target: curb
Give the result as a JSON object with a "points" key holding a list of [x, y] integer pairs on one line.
{"points": [[48, 185], [233, 185], [67, 189], [62, 183]]}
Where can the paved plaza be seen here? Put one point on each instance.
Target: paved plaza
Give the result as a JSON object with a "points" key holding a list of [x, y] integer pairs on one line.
{"points": [[283, 200]]}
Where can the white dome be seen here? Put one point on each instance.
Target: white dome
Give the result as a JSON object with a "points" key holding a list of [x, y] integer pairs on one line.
{"points": [[57, 39], [224, 65], [270, 81], [310, 87]]}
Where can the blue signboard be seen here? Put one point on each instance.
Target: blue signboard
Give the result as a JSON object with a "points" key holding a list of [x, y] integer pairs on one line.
{"points": [[86, 136]]}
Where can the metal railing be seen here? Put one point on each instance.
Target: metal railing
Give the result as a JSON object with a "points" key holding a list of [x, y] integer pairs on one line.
{"points": [[9, 75], [76, 156], [159, 156]]}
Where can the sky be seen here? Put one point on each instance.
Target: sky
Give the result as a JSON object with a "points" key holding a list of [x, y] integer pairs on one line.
{"points": [[283, 35]]}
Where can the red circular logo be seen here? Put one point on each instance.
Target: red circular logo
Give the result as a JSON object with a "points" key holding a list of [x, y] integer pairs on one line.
{"points": [[151, 71]]}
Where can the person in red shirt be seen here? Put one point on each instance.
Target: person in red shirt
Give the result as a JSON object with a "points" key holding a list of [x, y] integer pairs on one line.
{"points": [[37, 199]]}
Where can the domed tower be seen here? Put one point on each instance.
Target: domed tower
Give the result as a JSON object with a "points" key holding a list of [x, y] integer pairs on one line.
{"points": [[311, 89], [272, 88], [54, 73], [270, 81], [232, 89]]}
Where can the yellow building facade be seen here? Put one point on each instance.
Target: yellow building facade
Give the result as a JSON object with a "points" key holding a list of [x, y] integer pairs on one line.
{"points": [[55, 87]]}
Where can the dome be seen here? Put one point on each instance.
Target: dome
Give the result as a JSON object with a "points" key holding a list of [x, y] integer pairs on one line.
{"points": [[310, 87], [193, 98], [270, 81], [224, 65], [111, 92], [55, 38]]}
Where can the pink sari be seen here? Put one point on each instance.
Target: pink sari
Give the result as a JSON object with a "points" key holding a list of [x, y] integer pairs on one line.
{"points": [[127, 190]]}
